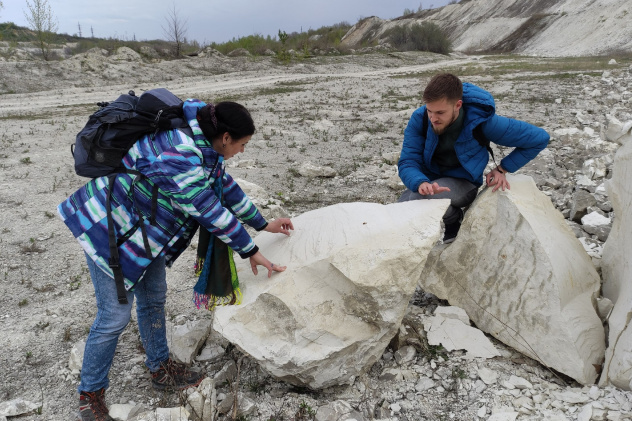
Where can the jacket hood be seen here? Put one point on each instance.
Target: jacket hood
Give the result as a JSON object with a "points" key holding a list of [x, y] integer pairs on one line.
{"points": [[473, 95]]}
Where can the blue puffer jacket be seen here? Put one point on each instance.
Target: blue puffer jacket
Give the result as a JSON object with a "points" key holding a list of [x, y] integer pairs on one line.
{"points": [[415, 163]]}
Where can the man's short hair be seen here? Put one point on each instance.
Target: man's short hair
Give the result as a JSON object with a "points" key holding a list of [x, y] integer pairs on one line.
{"points": [[443, 85]]}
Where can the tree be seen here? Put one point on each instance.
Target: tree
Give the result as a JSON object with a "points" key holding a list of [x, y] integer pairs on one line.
{"points": [[176, 30], [41, 20]]}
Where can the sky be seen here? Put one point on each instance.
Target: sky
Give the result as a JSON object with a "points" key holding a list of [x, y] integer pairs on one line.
{"points": [[208, 20]]}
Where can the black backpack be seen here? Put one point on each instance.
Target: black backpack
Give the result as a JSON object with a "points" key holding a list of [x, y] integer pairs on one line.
{"points": [[103, 142], [116, 126]]}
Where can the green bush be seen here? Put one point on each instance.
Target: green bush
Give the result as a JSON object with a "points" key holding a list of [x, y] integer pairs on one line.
{"points": [[255, 44], [321, 38], [424, 36]]}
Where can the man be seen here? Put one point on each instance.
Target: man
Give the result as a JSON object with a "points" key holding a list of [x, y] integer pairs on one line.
{"points": [[446, 158]]}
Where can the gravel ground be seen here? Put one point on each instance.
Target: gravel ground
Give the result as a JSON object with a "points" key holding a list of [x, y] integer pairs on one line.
{"points": [[345, 112]]}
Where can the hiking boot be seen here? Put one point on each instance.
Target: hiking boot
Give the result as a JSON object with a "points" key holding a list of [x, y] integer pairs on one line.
{"points": [[92, 407], [451, 230], [173, 375]]}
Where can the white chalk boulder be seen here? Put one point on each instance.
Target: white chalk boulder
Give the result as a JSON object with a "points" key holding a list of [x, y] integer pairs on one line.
{"points": [[616, 266], [521, 275], [351, 271]]}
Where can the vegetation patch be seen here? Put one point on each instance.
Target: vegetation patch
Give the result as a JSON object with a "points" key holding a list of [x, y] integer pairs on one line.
{"points": [[280, 88], [322, 38], [425, 36]]}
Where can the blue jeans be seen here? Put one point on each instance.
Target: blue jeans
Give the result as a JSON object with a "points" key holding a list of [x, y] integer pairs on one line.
{"points": [[112, 318], [462, 193]]}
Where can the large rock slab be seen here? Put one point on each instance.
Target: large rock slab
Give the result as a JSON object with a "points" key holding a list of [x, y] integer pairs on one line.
{"points": [[521, 275], [352, 269], [617, 273]]}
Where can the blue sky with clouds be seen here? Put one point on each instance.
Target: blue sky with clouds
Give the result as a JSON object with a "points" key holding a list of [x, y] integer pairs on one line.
{"points": [[208, 20]]}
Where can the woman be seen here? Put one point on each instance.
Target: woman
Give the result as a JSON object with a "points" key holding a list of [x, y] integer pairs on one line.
{"points": [[183, 186]]}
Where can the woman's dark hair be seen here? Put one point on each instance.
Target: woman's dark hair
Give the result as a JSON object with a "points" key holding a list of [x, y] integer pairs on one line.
{"points": [[227, 116], [443, 85]]}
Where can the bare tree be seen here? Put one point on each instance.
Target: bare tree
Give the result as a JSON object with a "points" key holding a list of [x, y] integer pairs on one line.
{"points": [[41, 20], [176, 30]]}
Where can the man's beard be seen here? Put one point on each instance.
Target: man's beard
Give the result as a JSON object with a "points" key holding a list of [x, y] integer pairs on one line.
{"points": [[439, 132]]}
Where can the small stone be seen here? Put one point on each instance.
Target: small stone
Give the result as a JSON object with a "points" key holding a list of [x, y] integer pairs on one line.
{"points": [[520, 383], [571, 397], [504, 416], [614, 416], [507, 385], [17, 407], [487, 376], [123, 411], [196, 400], [405, 355], [480, 386], [391, 157], [227, 373], [76, 357], [524, 402], [390, 374], [395, 407], [210, 353], [586, 413], [424, 384], [307, 169]]}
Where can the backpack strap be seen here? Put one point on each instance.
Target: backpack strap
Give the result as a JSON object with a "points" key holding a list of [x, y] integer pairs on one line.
{"points": [[483, 140], [114, 262], [477, 133], [424, 124]]}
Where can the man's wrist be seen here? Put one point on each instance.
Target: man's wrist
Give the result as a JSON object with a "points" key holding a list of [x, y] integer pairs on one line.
{"points": [[500, 169]]}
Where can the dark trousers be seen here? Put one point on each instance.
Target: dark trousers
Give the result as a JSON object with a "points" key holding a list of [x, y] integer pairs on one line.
{"points": [[462, 193]]}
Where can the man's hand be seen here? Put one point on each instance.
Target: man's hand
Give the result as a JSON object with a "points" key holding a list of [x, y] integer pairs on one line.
{"points": [[281, 225], [497, 178], [430, 189]]}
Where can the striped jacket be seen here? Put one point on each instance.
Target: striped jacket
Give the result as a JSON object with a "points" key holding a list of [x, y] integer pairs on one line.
{"points": [[182, 170]]}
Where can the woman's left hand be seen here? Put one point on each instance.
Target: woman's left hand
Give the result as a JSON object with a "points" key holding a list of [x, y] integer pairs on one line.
{"points": [[281, 225], [258, 259]]}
